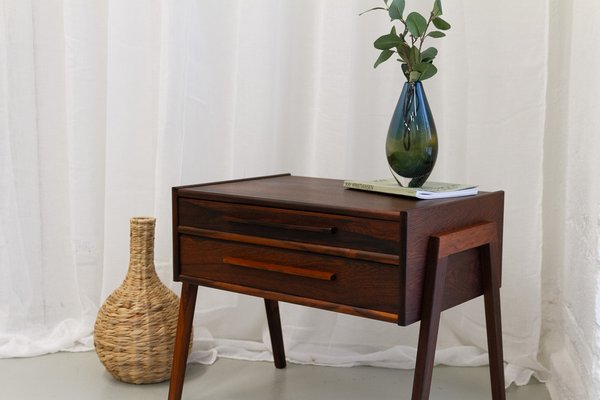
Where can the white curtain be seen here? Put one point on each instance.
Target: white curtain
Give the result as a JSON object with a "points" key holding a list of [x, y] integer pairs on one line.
{"points": [[105, 105]]}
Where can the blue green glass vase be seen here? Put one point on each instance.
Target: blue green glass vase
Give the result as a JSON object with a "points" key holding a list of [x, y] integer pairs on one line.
{"points": [[411, 145]]}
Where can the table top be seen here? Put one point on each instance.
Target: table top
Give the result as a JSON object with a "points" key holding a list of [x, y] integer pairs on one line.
{"points": [[315, 194]]}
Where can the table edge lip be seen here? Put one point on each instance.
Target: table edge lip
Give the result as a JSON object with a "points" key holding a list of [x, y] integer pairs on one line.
{"points": [[387, 215]]}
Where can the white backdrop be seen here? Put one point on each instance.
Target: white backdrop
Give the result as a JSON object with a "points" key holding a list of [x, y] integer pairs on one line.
{"points": [[104, 106]]}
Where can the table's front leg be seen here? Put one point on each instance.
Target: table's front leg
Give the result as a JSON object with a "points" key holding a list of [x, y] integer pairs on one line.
{"points": [[435, 278], [484, 237], [187, 305], [491, 295]]}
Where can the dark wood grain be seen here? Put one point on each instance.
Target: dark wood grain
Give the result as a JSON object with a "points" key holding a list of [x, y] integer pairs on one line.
{"points": [[300, 300], [367, 234], [274, 322], [358, 283], [421, 224], [290, 245], [309, 194], [309, 241], [417, 218], [491, 294], [254, 225], [466, 238], [432, 308], [483, 238], [187, 304], [281, 269], [175, 232]]}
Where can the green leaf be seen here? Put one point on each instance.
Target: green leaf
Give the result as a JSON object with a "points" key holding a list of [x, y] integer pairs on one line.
{"points": [[429, 54], [416, 24], [427, 70], [436, 34], [437, 8], [403, 51], [414, 76], [386, 42], [385, 54], [396, 9], [371, 9], [414, 57], [421, 66], [405, 71], [440, 24]]}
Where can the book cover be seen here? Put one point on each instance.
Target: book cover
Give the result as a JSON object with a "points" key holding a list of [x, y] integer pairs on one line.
{"points": [[430, 190]]}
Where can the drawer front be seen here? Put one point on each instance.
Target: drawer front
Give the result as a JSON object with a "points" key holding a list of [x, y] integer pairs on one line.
{"points": [[333, 279], [324, 229]]}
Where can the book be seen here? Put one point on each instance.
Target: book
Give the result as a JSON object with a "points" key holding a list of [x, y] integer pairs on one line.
{"points": [[430, 190]]}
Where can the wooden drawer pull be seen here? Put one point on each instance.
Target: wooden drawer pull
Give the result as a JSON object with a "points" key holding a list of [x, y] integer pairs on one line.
{"points": [[304, 228], [283, 269]]}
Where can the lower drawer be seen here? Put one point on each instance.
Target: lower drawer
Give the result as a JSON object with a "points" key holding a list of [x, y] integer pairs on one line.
{"points": [[337, 280]]}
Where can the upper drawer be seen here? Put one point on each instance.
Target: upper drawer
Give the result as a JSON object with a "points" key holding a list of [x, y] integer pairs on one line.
{"points": [[291, 225]]}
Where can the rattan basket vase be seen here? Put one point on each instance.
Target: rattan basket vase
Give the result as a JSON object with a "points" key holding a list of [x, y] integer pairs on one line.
{"points": [[134, 334]]}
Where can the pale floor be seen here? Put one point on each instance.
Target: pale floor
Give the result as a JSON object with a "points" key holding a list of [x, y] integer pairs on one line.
{"points": [[80, 376]]}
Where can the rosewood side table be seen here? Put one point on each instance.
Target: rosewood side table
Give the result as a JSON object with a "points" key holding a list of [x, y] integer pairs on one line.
{"points": [[309, 241]]}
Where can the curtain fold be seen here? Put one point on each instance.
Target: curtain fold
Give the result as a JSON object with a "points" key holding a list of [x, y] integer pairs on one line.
{"points": [[104, 106]]}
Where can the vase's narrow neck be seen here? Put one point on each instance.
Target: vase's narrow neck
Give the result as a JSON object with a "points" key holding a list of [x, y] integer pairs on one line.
{"points": [[141, 241]]}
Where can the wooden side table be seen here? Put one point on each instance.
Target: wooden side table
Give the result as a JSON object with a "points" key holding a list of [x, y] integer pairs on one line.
{"points": [[309, 241]]}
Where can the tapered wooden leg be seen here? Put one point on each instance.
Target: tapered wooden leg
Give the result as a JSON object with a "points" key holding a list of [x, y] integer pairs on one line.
{"points": [[187, 304], [491, 294], [274, 321], [430, 321], [482, 236]]}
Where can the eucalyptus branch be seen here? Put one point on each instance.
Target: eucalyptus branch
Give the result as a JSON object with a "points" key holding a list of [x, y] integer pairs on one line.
{"points": [[431, 16], [417, 64]]}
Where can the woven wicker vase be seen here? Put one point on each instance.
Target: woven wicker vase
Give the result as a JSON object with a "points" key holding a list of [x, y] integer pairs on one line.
{"points": [[135, 329]]}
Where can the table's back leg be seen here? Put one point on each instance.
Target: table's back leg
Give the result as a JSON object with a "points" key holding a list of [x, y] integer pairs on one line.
{"points": [[187, 305], [274, 321]]}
